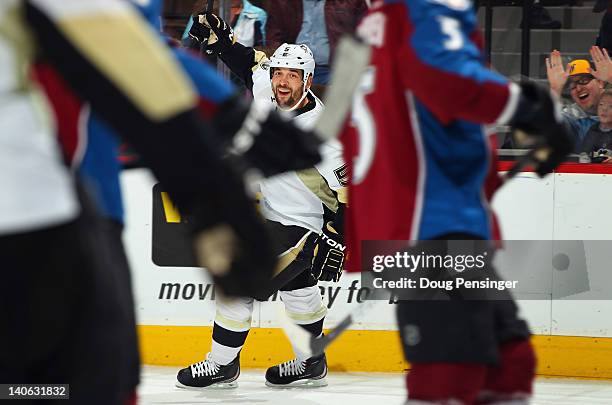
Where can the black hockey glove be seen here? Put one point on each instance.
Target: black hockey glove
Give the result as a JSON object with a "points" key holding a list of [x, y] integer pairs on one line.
{"points": [[328, 260], [230, 239], [258, 137], [538, 125], [198, 31], [212, 28]]}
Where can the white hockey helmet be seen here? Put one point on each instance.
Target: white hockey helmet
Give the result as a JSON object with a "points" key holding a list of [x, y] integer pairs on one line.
{"points": [[293, 56]]}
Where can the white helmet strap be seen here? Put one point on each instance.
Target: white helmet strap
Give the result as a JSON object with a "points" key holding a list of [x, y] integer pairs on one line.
{"points": [[304, 95], [295, 106]]}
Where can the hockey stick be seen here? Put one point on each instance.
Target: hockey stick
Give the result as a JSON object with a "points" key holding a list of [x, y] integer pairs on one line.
{"points": [[310, 345], [538, 149], [350, 61], [540, 154], [541, 157], [518, 166]]}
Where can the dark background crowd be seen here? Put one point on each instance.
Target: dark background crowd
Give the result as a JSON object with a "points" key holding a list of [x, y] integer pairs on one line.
{"points": [[580, 77]]}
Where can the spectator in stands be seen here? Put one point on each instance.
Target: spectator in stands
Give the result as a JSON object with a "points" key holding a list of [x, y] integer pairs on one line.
{"points": [[539, 17], [586, 86], [604, 38], [316, 23], [247, 20], [598, 140]]}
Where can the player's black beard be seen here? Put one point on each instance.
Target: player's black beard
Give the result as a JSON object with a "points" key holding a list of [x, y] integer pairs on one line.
{"points": [[290, 102]]}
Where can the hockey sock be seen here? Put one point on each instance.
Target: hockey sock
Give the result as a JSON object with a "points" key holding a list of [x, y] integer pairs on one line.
{"points": [[131, 398], [445, 382], [226, 344], [316, 329], [513, 378]]}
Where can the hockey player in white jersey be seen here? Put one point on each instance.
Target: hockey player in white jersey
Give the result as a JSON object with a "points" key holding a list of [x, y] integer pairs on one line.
{"points": [[303, 210]]}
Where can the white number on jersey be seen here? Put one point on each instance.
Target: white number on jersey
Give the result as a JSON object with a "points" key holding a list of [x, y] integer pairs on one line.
{"points": [[459, 5], [366, 130], [451, 28]]}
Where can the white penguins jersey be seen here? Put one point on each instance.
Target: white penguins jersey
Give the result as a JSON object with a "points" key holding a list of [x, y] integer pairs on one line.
{"points": [[38, 190], [296, 198]]}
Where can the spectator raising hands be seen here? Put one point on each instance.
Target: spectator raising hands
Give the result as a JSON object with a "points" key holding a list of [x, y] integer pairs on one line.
{"points": [[586, 86], [556, 72], [603, 64]]}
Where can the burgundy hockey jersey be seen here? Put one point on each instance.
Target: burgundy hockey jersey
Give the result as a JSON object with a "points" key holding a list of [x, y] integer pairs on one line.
{"points": [[418, 155]]}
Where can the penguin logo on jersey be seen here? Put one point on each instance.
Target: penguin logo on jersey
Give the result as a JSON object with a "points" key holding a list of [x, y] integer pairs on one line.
{"points": [[342, 175]]}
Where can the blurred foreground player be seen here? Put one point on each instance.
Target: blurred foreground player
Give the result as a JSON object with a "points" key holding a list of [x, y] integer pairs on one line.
{"points": [[60, 318], [90, 147], [303, 210], [420, 147]]}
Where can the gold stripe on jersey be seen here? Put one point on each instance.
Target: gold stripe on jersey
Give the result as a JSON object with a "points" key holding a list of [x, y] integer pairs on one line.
{"points": [[313, 180], [20, 43], [290, 255], [342, 195], [15, 35], [131, 56]]}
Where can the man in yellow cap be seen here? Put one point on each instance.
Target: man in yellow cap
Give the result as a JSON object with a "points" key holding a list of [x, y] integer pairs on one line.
{"points": [[584, 88], [586, 85]]}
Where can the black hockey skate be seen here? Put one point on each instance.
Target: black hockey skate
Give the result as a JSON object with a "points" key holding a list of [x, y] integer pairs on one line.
{"points": [[208, 374], [309, 373]]}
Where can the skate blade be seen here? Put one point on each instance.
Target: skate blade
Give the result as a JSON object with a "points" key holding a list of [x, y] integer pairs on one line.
{"points": [[218, 386], [300, 384]]}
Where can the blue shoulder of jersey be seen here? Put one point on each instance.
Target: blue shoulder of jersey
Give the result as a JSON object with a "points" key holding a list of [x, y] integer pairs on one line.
{"points": [[209, 84], [443, 38]]}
